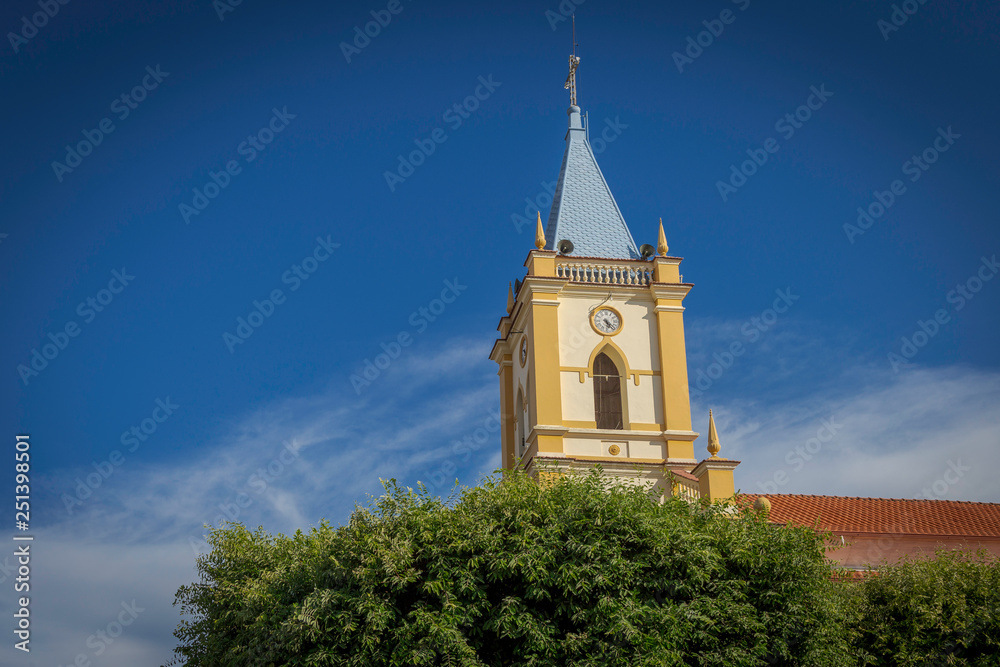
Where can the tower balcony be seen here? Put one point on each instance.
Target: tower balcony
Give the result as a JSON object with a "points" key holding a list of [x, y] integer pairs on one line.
{"points": [[603, 271], [598, 271]]}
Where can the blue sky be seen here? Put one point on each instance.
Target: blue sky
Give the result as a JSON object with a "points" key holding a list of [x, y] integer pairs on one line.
{"points": [[280, 138]]}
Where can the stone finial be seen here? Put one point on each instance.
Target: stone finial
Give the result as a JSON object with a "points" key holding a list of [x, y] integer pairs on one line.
{"points": [[539, 234], [762, 504], [713, 437], [661, 244], [510, 299]]}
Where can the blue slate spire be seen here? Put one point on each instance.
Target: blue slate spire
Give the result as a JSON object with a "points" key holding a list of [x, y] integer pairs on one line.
{"points": [[584, 211]]}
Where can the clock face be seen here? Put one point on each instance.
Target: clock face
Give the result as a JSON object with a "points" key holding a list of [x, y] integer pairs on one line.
{"points": [[607, 321], [524, 350]]}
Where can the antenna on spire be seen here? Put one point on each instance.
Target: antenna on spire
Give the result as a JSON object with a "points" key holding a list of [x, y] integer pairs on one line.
{"points": [[574, 35], [574, 62]]}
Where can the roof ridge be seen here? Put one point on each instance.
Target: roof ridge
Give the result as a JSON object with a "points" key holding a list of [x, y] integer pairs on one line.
{"points": [[905, 500]]}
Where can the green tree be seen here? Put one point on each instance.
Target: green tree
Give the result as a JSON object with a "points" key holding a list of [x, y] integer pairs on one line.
{"points": [[939, 611], [581, 570]]}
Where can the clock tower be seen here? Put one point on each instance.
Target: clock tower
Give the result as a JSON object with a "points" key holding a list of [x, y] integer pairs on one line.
{"points": [[591, 353]]}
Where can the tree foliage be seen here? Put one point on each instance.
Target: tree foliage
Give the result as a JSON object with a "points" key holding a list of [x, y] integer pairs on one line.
{"points": [[940, 611], [578, 571]]}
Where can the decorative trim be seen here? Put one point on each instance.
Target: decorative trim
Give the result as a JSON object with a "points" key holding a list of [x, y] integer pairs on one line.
{"points": [[546, 429], [592, 426], [584, 372], [671, 291], [629, 433], [542, 285], [657, 428], [713, 463], [600, 459]]}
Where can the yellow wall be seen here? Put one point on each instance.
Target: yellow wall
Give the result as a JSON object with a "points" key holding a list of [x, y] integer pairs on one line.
{"points": [[649, 349]]}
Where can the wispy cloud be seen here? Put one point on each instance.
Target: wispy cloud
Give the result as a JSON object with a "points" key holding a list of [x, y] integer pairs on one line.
{"points": [[805, 416], [310, 457], [284, 466], [894, 438], [287, 465]]}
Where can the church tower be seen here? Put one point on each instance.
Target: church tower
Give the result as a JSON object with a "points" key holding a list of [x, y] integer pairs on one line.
{"points": [[591, 353]]}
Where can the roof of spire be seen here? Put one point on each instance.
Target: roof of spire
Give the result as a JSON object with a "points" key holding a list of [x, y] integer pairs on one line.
{"points": [[584, 211]]}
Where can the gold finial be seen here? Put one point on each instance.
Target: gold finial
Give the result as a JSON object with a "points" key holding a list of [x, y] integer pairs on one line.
{"points": [[540, 234], [510, 299], [661, 245], [713, 437]]}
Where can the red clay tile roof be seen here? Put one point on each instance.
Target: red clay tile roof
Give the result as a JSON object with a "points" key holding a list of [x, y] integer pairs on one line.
{"points": [[885, 516]]}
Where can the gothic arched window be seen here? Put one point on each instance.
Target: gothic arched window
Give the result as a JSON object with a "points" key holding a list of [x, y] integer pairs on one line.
{"points": [[607, 393]]}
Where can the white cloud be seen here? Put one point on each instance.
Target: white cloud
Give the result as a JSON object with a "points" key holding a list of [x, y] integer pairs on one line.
{"points": [[290, 464], [78, 589], [896, 433], [136, 537]]}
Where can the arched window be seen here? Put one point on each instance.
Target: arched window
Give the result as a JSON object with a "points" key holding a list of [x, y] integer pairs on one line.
{"points": [[607, 393]]}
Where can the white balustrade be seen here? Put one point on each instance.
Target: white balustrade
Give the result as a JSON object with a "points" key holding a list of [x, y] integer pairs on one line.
{"points": [[601, 273]]}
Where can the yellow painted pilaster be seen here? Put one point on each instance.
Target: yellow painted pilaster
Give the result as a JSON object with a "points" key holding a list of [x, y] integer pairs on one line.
{"points": [[667, 269], [544, 368], [541, 263], [673, 375], [717, 484]]}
